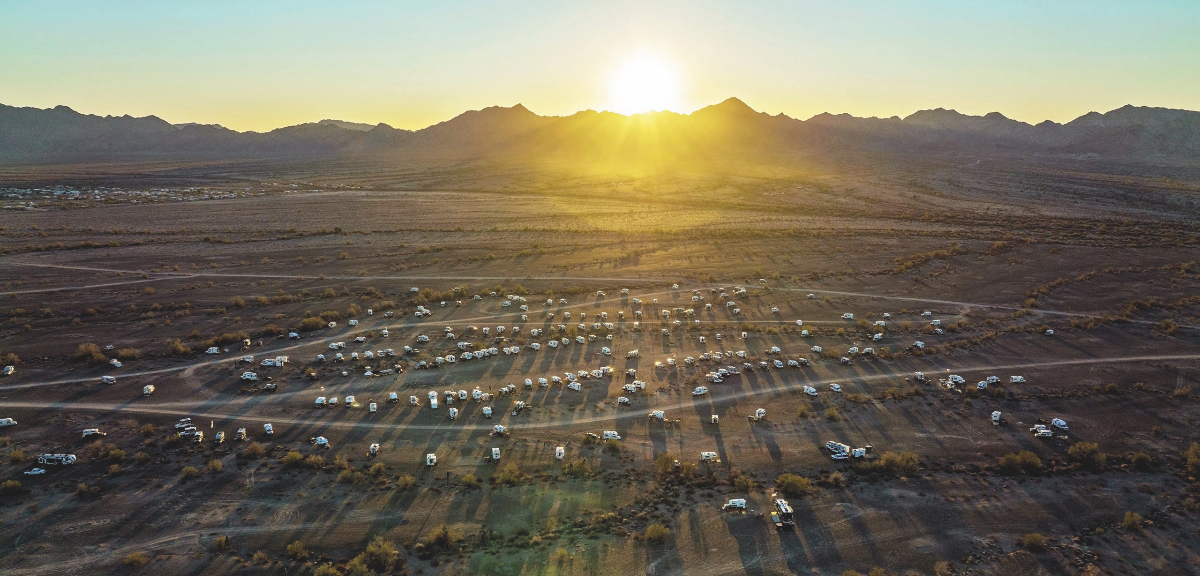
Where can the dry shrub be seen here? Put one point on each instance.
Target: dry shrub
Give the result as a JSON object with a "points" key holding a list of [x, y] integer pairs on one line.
{"points": [[135, 560]]}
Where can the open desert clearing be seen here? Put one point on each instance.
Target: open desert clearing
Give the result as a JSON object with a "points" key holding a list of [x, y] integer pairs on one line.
{"points": [[936, 489]]}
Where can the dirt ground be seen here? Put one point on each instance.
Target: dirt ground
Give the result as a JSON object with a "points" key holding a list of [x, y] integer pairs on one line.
{"points": [[997, 252]]}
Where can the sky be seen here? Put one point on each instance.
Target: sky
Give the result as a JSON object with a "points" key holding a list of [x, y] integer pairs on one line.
{"points": [[258, 65]]}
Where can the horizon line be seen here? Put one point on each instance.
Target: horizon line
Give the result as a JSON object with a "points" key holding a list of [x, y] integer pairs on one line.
{"points": [[583, 111]]}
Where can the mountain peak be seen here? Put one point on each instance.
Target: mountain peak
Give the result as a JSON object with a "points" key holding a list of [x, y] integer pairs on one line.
{"points": [[347, 125], [731, 106]]}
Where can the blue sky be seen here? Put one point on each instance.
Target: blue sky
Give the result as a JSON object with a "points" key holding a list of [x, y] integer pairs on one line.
{"points": [[260, 65]]}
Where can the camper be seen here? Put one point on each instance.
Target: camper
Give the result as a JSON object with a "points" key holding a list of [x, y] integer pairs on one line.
{"points": [[810, 390], [372, 450], [319, 442], [372, 407], [784, 512], [249, 376], [108, 379], [431, 459], [495, 454], [1017, 379], [6, 422], [89, 432], [320, 402], [736, 504], [350, 402], [487, 411], [454, 413], [835, 388], [611, 435], [700, 391], [996, 418], [759, 415], [116, 363], [56, 459], [709, 457], [147, 390], [837, 450], [270, 430]]}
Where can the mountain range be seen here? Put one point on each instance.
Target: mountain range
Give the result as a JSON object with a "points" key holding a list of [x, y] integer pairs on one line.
{"points": [[728, 129]]}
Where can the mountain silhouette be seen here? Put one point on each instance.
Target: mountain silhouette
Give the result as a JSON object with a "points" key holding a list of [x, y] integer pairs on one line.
{"points": [[730, 128]]}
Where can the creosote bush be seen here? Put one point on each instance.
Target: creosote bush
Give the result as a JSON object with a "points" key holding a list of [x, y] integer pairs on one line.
{"points": [[254, 451], [135, 560], [1034, 542], [793, 486], [657, 533], [296, 550]]}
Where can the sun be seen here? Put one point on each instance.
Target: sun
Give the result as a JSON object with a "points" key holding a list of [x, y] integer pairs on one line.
{"points": [[644, 83]]}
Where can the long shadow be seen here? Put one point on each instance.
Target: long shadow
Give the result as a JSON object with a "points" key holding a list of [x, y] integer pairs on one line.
{"points": [[751, 542]]}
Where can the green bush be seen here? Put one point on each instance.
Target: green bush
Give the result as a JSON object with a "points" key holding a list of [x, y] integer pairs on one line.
{"points": [[1088, 454], [350, 477], [296, 550], [510, 475], [577, 469], [254, 451], [292, 459], [380, 556], [657, 533], [1132, 520], [1191, 459], [405, 482], [470, 481], [1023, 462], [177, 348], [10, 487], [311, 324], [442, 537], [135, 560], [891, 464], [793, 486], [1034, 542], [1141, 461], [189, 472], [90, 353]]}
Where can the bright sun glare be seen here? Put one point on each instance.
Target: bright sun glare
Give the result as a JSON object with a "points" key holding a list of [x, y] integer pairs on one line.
{"points": [[644, 83]]}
